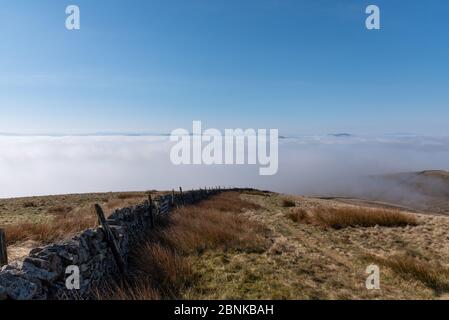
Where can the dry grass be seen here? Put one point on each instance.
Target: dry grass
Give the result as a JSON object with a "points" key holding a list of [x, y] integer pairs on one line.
{"points": [[431, 275], [287, 203], [128, 195], [228, 202], [29, 204], [60, 209], [162, 267], [127, 291], [62, 226], [202, 229], [343, 217], [158, 272], [217, 250], [302, 261], [300, 215], [114, 203], [43, 208], [61, 221]]}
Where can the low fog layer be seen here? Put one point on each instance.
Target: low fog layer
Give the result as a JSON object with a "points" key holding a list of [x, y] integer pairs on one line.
{"points": [[313, 165]]}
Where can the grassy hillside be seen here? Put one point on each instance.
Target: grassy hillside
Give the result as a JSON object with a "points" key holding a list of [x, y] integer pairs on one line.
{"points": [[425, 190], [259, 245], [433, 183], [34, 221], [42, 209]]}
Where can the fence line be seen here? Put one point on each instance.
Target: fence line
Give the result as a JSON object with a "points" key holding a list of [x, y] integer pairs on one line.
{"points": [[99, 253]]}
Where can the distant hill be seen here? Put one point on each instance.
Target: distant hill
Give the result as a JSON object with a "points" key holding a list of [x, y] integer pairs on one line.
{"points": [[425, 190], [341, 135], [434, 183], [440, 174]]}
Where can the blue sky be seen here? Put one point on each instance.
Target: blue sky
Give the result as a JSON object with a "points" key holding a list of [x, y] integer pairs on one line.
{"points": [[153, 66]]}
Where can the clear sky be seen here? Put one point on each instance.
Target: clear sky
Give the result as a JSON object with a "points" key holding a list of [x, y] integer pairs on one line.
{"points": [[153, 66]]}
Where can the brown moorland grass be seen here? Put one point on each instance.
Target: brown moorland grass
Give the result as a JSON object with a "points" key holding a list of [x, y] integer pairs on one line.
{"points": [[29, 204], [65, 221], [432, 275], [43, 208], [343, 217], [287, 203], [228, 201], [128, 195], [60, 209], [127, 291], [62, 226], [162, 266]]}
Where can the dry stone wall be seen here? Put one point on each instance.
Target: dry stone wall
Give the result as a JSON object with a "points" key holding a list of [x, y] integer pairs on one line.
{"points": [[42, 274]]}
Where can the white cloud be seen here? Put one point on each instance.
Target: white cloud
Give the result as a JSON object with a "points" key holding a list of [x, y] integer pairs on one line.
{"points": [[313, 164]]}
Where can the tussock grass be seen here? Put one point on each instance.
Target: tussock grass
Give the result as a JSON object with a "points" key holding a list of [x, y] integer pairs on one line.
{"points": [[65, 221], [300, 215], [227, 202], [122, 201], [431, 275], [62, 226], [29, 204], [199, 230], [126, 291], [343, 217], [44, 208], [287, 203], [129, 195], [61, 209], [162, 266]]}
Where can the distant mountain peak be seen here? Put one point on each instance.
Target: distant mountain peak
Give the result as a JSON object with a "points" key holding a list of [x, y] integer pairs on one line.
{"points": [[341, 135]]}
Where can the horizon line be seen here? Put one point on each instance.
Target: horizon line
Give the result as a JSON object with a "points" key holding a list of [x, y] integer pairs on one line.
{"points": [[149, 134]]}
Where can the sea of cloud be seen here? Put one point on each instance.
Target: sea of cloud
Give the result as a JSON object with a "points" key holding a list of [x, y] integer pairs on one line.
{"points": [[324, 165]]}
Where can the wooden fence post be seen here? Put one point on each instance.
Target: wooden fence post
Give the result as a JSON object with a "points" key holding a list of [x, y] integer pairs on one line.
{"points": [[182, 196], [110, 239], [150, 207], [3, 251], [173, 197]]}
